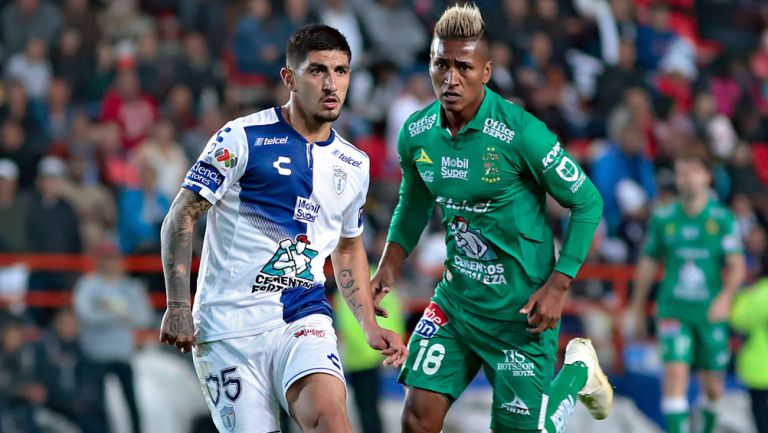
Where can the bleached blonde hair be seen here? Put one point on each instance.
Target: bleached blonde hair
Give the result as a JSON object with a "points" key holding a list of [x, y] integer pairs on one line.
{"points": [[460, 22]]}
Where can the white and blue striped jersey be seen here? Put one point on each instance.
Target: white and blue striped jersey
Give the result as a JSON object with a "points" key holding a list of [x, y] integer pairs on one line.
{"points": [[280, 205]]}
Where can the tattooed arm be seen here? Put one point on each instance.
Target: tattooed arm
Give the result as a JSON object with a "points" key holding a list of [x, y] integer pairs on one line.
{"points": [[350, 264], [176, 240]]}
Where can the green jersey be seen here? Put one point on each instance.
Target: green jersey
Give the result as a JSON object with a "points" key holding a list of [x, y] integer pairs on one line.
{"points": [[693, 250], [491, 181]]}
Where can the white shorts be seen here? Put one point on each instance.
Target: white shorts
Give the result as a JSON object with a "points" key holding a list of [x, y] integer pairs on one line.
{"points": [[244, 379]]}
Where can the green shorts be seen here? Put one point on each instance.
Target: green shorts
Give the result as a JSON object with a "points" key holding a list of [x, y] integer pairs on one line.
{"points": [[448, 348], [702, 345]]}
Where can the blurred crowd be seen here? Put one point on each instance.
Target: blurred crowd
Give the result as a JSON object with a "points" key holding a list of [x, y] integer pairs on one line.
{"points": [[104, 104]]}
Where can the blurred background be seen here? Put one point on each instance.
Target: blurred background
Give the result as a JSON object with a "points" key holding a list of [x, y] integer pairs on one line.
{"points": [[105, 103]]}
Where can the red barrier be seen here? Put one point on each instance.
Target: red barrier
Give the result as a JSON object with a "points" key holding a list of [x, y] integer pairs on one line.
{"points": [[619, 276]]}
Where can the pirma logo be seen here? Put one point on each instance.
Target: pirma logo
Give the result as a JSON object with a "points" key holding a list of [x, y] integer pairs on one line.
{"points": [[516, 406]]}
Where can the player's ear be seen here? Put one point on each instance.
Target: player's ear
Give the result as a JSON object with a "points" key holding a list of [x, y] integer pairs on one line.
{"points": [[487, 71], [288, 78]]}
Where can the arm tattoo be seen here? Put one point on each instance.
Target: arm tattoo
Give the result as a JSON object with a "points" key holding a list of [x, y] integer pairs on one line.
{"points": [[176, 244], [348, 289], [180, 322]]}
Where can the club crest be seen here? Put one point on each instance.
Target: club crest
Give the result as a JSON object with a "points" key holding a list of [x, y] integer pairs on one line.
{"points": [[339, 180], [228, 417]]}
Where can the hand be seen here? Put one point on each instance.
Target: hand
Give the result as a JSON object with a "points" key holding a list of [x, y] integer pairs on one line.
{"points": [[545, 305], [380, 283], [389, 343], [177, 328], [635, 323], [35, 393], [720, 308]]}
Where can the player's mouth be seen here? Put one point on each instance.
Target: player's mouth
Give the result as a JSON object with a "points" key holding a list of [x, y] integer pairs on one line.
{"points": [[330, 103], [450, 97]]}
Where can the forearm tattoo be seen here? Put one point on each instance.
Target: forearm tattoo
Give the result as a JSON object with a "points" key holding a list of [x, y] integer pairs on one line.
{"points": [[348, 289], [176, 244]]}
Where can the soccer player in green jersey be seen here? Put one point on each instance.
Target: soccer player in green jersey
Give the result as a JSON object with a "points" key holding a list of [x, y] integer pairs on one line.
{"points": [[489, 165], [696, 239]]}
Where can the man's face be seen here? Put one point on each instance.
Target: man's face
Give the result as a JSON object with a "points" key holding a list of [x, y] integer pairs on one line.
{"points": [[459, 70], [320, 84], [691, 178]]}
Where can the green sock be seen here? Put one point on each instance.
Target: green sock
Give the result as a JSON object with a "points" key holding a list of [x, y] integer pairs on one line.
{"points": [[677, 422], [710, 420], [562, 395]]}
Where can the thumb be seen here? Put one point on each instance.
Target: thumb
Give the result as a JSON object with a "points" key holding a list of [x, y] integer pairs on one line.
{"points": [[529, 305]]}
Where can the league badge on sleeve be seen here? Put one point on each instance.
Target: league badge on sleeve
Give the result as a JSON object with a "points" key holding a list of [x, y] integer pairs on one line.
{"points": [[228, 418], [225, 159]]}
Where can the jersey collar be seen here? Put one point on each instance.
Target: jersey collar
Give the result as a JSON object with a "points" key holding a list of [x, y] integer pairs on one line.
{"points": [[290, 129], [478, 121]]}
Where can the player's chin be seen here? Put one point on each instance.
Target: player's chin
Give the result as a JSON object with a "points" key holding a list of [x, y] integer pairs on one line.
{"points": [[327, 115]]}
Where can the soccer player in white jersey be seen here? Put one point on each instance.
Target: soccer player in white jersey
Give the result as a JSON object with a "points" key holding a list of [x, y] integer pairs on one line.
{"points": [[283, 192]]}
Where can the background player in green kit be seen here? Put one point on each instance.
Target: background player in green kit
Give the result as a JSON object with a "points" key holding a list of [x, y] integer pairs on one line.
{"points": [[693, 237], [489, 164]]}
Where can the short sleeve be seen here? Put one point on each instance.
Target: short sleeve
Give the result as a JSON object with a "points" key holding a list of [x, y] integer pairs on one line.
{"points": [[352, 216], [653, 243], [731, 242], [220, 165]]}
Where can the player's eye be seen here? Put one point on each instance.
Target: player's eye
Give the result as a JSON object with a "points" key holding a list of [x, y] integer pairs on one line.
{"points": [[441, 65], [341, 71], [464, 67]]}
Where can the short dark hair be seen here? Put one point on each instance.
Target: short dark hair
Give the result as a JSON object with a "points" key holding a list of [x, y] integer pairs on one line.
{"points": [[314, 37], [697, 153]]}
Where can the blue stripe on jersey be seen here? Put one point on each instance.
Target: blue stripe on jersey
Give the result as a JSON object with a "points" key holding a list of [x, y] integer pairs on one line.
{"points": [[301, 302], [276, 175]]}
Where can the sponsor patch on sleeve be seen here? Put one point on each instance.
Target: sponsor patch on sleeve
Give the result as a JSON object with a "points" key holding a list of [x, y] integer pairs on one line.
{"points": [[432, 320], [205, 175]]}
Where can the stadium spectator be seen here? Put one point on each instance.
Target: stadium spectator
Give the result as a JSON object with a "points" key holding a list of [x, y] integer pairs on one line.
{"points": [[103, 73], [512, 26], [165, 156], [72, 390], [298, 13], [46, 206], [27, 19], [401, 47], [32, 68], [141, 210], [339, 14], [614, 79], [21, 391], [111, 306], [59, 113], [12, 210], [259, 40], [123, 20], [93, 203], [196, 68], [132, 109], [179, 108], [623, 160], [654, 38], [81, 20]]}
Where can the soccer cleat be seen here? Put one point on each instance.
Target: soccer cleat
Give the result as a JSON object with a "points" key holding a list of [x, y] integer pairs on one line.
{"points": [[597, 394]]}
